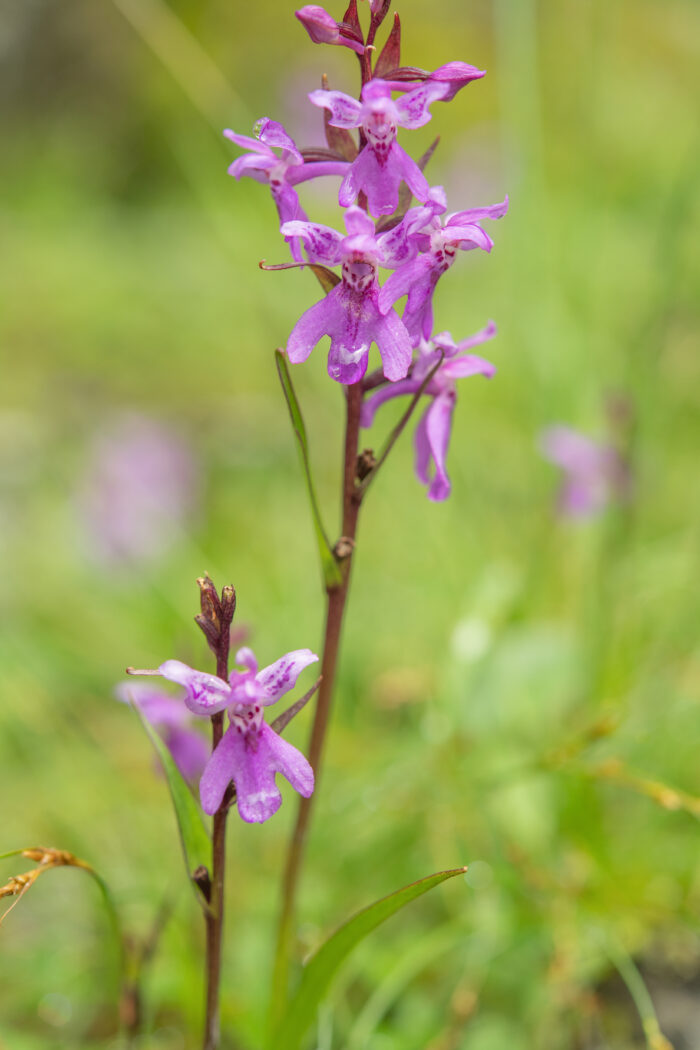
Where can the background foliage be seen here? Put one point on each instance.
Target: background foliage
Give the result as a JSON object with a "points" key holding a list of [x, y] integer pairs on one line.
{"points": [[514, 688]]}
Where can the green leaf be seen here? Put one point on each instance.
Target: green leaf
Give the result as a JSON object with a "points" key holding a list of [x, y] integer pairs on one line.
{"points": [[319, 971], [196, 844], [331, 572]]}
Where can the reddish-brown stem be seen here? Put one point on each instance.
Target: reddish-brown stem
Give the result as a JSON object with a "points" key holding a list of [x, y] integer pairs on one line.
{"points": [[336, 601], [214, 917]]}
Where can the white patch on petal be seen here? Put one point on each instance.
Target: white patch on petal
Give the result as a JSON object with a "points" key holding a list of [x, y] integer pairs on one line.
{"points": [[346, 356]]}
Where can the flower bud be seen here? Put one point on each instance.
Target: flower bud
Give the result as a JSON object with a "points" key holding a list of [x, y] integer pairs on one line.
{"points": [[325, 30]]}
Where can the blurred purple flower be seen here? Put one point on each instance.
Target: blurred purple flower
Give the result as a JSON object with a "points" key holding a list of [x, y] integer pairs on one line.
{"points": [[171, 719], [138, 489], [250, 753], [594, 473], [434, 429]]}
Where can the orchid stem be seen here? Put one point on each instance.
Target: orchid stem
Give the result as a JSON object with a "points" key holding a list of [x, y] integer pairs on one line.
{"points": [[336, 602], [214, 915]]}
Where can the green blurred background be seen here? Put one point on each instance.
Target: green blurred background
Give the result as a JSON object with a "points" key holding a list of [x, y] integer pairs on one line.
{"points": [[515, 689]]}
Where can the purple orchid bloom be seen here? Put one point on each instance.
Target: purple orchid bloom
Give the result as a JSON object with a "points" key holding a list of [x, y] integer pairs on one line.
{"points": [[282, 173], [380, 167], [350, 314], [432, 436], [172, 722], [250, 753], [323, 29], [451, 78], [594, 474], [438, 249]]}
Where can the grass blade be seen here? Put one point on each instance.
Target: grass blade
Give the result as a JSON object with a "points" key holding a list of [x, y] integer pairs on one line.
{"points": [[319, 971]]}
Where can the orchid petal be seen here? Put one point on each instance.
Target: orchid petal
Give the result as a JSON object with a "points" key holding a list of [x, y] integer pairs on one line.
{"points": [[422, 447], [246, 142], [453, 76], [411, 174], [206, 694], [322, 242], [271, 133], [345, 110], [469, 365], [370, 406], [467, 237], [490, 211], [278, 678], [394, 345], [412, 275], [245, 657], [320, 319], [426, 320], [250, 164], [358, 221], [438, 426], [479, 337], [288, 761], [190, 751], [347, 364], [414, 106], [321, 27], [157, 708], [228, 756], [376, 90]]}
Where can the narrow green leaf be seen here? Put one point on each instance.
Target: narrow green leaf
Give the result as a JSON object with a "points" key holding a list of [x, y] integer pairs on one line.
{"points": [[331, 572], [319, 971], [196, 844]]}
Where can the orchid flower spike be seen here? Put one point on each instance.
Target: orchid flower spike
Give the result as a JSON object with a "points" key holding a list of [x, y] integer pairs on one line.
{"points": [[380, 167], [283, 172], [349, 313], [434, 429], [250, 753], [438, 247], [323, 29], [172, 721]]}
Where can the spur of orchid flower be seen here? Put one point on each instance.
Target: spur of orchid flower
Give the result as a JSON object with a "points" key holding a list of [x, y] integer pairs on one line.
{"points": [[381, 165], [250, 753], [283, 172], [432, 436]]}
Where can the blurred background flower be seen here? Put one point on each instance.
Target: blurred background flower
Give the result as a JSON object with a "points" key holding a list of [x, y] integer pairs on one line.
{"points": [[139, 490]]}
